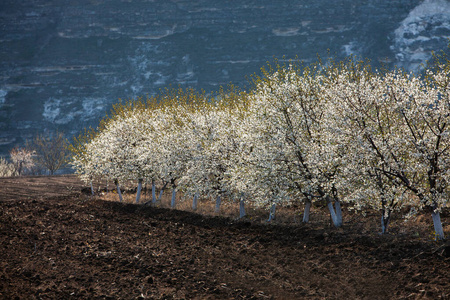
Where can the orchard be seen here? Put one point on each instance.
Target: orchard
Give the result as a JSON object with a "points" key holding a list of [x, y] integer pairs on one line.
{"points": [[336, 133]]}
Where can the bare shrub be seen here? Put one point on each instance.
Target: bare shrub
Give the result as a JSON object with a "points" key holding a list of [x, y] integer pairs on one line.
{"points": [[22, 160], [50, 151]]}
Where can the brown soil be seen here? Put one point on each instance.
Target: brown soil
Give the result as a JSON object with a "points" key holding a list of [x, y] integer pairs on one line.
{"points": [[58, 243]]}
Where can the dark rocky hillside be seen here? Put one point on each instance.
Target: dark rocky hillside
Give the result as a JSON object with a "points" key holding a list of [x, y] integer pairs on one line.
{"points": [[62, 63]]}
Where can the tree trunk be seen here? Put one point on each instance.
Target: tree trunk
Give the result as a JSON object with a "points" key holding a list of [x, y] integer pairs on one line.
{"points": [[272, 212], [174, 193], [218, 201], [306, 212], [334, 218], [385, 222], [439, 231], [161, 192], [241, 209], [92, 189], [195, 202], [119, 192], [139, 189], [19, 168], [153, 192]]}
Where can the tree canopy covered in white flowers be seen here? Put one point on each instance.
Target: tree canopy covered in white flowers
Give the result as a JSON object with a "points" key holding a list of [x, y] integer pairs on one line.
{"points": [[336, 132]]}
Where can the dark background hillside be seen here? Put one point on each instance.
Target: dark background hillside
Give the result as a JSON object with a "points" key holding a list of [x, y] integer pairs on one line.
{"points": [[62, 63]]}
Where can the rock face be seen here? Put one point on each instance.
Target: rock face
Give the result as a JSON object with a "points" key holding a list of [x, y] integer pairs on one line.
{"points": [[63, 62]]}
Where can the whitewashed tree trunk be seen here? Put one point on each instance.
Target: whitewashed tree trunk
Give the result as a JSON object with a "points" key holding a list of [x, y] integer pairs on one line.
{"points": [[162, 191], [139, 189], [92, 189], [384, 224], [306, 212], [153, 192], [174, 193], [119, 192], [439, 231], [160, 195], [272, 212], [334, 218], [241, 209], [195, 202], [218, 201], [385, 218]]}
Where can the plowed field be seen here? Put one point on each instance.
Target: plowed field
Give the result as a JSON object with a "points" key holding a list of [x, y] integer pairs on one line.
{"points": [[57, 242]]}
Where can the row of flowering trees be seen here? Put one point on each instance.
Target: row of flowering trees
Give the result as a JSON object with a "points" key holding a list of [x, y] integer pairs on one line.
{"points": [[335, 132]]}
